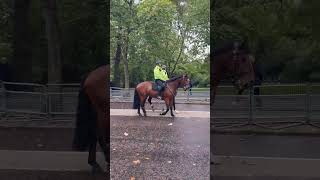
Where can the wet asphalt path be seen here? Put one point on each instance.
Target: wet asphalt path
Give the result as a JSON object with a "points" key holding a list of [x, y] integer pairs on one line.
{"points": [[152, 148], [266, 146], [274, 154]]}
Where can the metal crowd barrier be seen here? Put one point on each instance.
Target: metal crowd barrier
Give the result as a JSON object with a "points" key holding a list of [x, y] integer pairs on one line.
{"points": [[298, 105], [277, 106], [61, 99], [29, 98], [123, 95]]}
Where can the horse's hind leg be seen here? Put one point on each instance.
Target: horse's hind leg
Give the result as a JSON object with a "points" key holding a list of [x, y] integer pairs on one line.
{"points": [[142, 106], [104, 147], [149, 100], [96, 168], [139, 111]]}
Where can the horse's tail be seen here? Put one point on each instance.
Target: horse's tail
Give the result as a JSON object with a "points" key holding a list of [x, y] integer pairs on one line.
{"points": [[85, 120], [136, 100]]}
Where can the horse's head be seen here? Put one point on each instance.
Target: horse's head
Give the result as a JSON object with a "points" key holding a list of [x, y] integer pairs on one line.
{"points": [[185, 82], [243, 68]]}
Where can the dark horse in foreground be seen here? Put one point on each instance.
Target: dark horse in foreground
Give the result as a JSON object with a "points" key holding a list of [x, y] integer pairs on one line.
{"points": [[92, 119], [234, 62], [145, 89]]}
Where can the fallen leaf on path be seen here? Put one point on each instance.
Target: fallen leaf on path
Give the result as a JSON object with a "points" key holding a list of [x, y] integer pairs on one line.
{"points": [[146, 158], [136, 162], [132, 178], [170, 124], [126, 134], [169, 162]]}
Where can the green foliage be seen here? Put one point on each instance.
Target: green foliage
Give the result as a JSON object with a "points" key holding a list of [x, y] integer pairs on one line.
{"points": [[83, 35], [5, 29], [283, 35]]}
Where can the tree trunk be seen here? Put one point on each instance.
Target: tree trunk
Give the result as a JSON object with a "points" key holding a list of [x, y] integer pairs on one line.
{"points": [[22, 55], [126, 50], [54, 51], [180, 52], [116, 67], [125, 62]]}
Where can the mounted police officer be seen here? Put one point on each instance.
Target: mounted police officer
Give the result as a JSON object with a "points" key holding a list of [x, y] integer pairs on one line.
{"points": [[160, 76]]}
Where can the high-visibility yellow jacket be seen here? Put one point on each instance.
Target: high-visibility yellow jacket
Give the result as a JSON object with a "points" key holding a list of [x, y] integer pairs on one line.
{"points": [[165, 75], [160, 73]]}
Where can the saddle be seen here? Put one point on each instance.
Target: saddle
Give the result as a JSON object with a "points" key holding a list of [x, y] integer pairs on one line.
{"points": [[156, 87]]}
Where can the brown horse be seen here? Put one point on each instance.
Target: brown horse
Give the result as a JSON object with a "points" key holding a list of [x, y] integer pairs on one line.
{"points": [[92, 120], [145, 89], [174, 103], [232, 62]]}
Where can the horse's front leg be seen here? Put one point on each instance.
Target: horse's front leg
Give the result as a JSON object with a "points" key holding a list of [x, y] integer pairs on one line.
{"points": [[167, 104], [171, 111], [172, 105], [238, 96], [96, 168]]}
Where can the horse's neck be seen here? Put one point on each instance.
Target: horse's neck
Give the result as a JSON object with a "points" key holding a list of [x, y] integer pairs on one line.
{"points": [[174, 85]]}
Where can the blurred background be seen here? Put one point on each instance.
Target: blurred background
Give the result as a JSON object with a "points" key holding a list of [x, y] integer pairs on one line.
{"points": [[282, 34], [51, 41]]}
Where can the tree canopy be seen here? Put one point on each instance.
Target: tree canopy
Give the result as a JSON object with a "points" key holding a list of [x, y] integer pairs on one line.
{"points": [[81, 31], [283, 34]]}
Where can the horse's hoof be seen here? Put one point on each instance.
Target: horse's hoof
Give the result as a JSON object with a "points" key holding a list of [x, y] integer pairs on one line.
{"points": [[162, 114], [172, 115], [139, 114]]}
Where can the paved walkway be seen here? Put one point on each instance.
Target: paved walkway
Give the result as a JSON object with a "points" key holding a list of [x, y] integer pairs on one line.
{"points": [[265, 166], [265, 157], [46, 160]]}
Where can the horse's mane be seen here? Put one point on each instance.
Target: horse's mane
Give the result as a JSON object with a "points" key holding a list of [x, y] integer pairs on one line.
{"points": [[228, 47], [220, 50], [174, 78]]}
